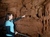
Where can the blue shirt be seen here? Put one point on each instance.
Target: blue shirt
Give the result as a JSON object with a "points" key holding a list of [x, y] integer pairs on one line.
{"points": [[10, 23]]}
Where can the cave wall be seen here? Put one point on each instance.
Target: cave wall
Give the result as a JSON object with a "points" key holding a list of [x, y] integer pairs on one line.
{"points": [[36, 23]]}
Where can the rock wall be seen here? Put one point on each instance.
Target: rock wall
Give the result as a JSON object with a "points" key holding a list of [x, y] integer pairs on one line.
{"points": [[36, 23]]}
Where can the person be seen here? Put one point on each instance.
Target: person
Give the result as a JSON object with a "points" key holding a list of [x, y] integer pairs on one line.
{"points": [[9, 24]]}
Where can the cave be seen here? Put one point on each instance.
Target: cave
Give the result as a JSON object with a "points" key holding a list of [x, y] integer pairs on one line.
{"points": [[37, 20]]}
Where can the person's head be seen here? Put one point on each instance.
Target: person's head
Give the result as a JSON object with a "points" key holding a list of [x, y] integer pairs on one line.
{"points": [[9, 16]]}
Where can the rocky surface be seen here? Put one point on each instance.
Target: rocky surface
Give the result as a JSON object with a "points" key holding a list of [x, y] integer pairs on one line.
{"points": [[36, 23]]}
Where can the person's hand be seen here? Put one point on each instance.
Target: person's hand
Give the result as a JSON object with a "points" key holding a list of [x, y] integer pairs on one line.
{"points": [[23, 16], [16, 33]]}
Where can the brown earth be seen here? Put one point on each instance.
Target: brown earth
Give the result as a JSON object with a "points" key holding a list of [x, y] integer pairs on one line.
{"points": [[37, 20]]}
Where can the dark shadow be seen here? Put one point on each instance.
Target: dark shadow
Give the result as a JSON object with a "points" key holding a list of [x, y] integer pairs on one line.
{"points": [[39, 35]]}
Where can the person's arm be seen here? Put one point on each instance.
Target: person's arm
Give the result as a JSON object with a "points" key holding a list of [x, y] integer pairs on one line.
{"points": [[16, 19]]}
